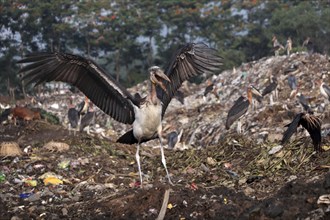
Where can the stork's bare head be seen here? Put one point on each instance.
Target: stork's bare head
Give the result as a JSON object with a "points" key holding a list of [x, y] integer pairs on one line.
{"points": [[157, 75]]}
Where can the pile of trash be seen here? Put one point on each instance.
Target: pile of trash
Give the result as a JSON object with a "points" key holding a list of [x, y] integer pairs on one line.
{"points": [[201, 117]]}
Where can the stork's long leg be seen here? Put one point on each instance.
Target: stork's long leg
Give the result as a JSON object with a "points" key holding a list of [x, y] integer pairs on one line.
{"points": [[271, 99], [275, 94], [239, 126], [137, 156], [164, 160], [79, 123]]}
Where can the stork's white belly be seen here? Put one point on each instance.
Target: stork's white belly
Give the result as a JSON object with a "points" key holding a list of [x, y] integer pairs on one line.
{"points": [[147, 121]]}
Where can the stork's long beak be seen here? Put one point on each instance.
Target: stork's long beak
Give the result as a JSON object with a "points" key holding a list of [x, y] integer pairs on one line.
{"points": [[255, 91], [157, 78]]}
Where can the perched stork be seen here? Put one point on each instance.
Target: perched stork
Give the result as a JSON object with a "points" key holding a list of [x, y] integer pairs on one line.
{"points": [[270, 88], [293, 84], [277, 46], [105, 92], [73, 116], [288, 46], [238, 110], [311, 123]]}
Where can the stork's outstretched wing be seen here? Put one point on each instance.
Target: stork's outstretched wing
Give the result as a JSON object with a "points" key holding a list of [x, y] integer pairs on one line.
{"points": [[292, 128], [311, 123], [190, 60], [83, 73]]}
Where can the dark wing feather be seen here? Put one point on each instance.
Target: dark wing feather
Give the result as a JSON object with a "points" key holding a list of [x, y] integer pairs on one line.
{"points": [[239, 108], [292, 128], [83, 73], [128, 138], [269, 88], [190, 60], [179, 96], [313, 125]]}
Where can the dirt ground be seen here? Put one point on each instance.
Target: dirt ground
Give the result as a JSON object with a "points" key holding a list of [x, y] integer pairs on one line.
{"points": [[233, 180]]}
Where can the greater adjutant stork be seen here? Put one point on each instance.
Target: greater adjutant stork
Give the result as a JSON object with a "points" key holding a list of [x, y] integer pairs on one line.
{"points": [[105, 92], [240, 107], [277, 46], [271, 88], [73, 116]]}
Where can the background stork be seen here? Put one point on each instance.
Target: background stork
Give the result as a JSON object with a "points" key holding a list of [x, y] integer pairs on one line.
{"points": [[210, 88], [277, 46], [105, 92], [73, 116], [271, 88], [239, 109]]}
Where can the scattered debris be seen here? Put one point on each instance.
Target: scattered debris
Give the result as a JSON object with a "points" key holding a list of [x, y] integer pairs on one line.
{"points": [[165, 204], [10, 149], [56, 146]]}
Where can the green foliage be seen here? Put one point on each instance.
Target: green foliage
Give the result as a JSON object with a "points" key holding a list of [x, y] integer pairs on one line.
{"points": [[49, 117], [126, 37]]}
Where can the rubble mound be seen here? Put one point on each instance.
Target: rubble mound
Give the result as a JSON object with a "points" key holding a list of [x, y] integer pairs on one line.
{"points": [[218, 173]]}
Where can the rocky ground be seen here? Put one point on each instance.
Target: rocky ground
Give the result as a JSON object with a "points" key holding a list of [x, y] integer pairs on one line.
{"points": [[218, 174]]}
